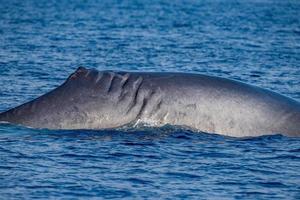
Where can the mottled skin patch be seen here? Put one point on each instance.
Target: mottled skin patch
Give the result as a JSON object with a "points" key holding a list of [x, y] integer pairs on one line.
{"points": [[91, 99]]}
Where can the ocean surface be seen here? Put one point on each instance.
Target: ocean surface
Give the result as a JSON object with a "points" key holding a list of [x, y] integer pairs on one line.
{"points": [[42, 42]]}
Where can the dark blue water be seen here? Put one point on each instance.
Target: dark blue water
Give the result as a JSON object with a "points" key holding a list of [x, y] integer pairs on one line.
{"points": [[42, 42]]}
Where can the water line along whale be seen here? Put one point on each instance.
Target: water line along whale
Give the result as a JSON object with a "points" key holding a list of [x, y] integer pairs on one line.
{"points": [[91, 99]]}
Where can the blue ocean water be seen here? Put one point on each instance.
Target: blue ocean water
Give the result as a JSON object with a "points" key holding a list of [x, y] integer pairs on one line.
{"points": [[42, 42]]}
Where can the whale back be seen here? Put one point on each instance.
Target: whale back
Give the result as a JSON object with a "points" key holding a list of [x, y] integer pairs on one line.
{"points": [[91, 99]]}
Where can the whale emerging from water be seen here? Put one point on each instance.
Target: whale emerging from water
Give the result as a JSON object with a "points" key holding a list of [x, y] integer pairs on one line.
{"points": [[91, 99]]}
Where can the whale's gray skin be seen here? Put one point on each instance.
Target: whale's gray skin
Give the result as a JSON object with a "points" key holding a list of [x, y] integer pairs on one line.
{"points": [[91, 99]]}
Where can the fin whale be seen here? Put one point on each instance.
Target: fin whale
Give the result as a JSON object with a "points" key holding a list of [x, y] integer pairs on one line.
{"points": [[91, 99]]}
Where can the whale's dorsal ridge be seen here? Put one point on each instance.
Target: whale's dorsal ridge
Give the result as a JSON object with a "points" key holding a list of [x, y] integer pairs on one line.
{"points": [[92, 99], [80, 70]]}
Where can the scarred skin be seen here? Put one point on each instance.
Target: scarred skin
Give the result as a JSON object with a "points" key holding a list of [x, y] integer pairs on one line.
{"points": [[91, 99]]}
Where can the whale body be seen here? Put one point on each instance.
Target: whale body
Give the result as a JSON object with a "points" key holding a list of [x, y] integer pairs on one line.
{"points": [[91, 99]]}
